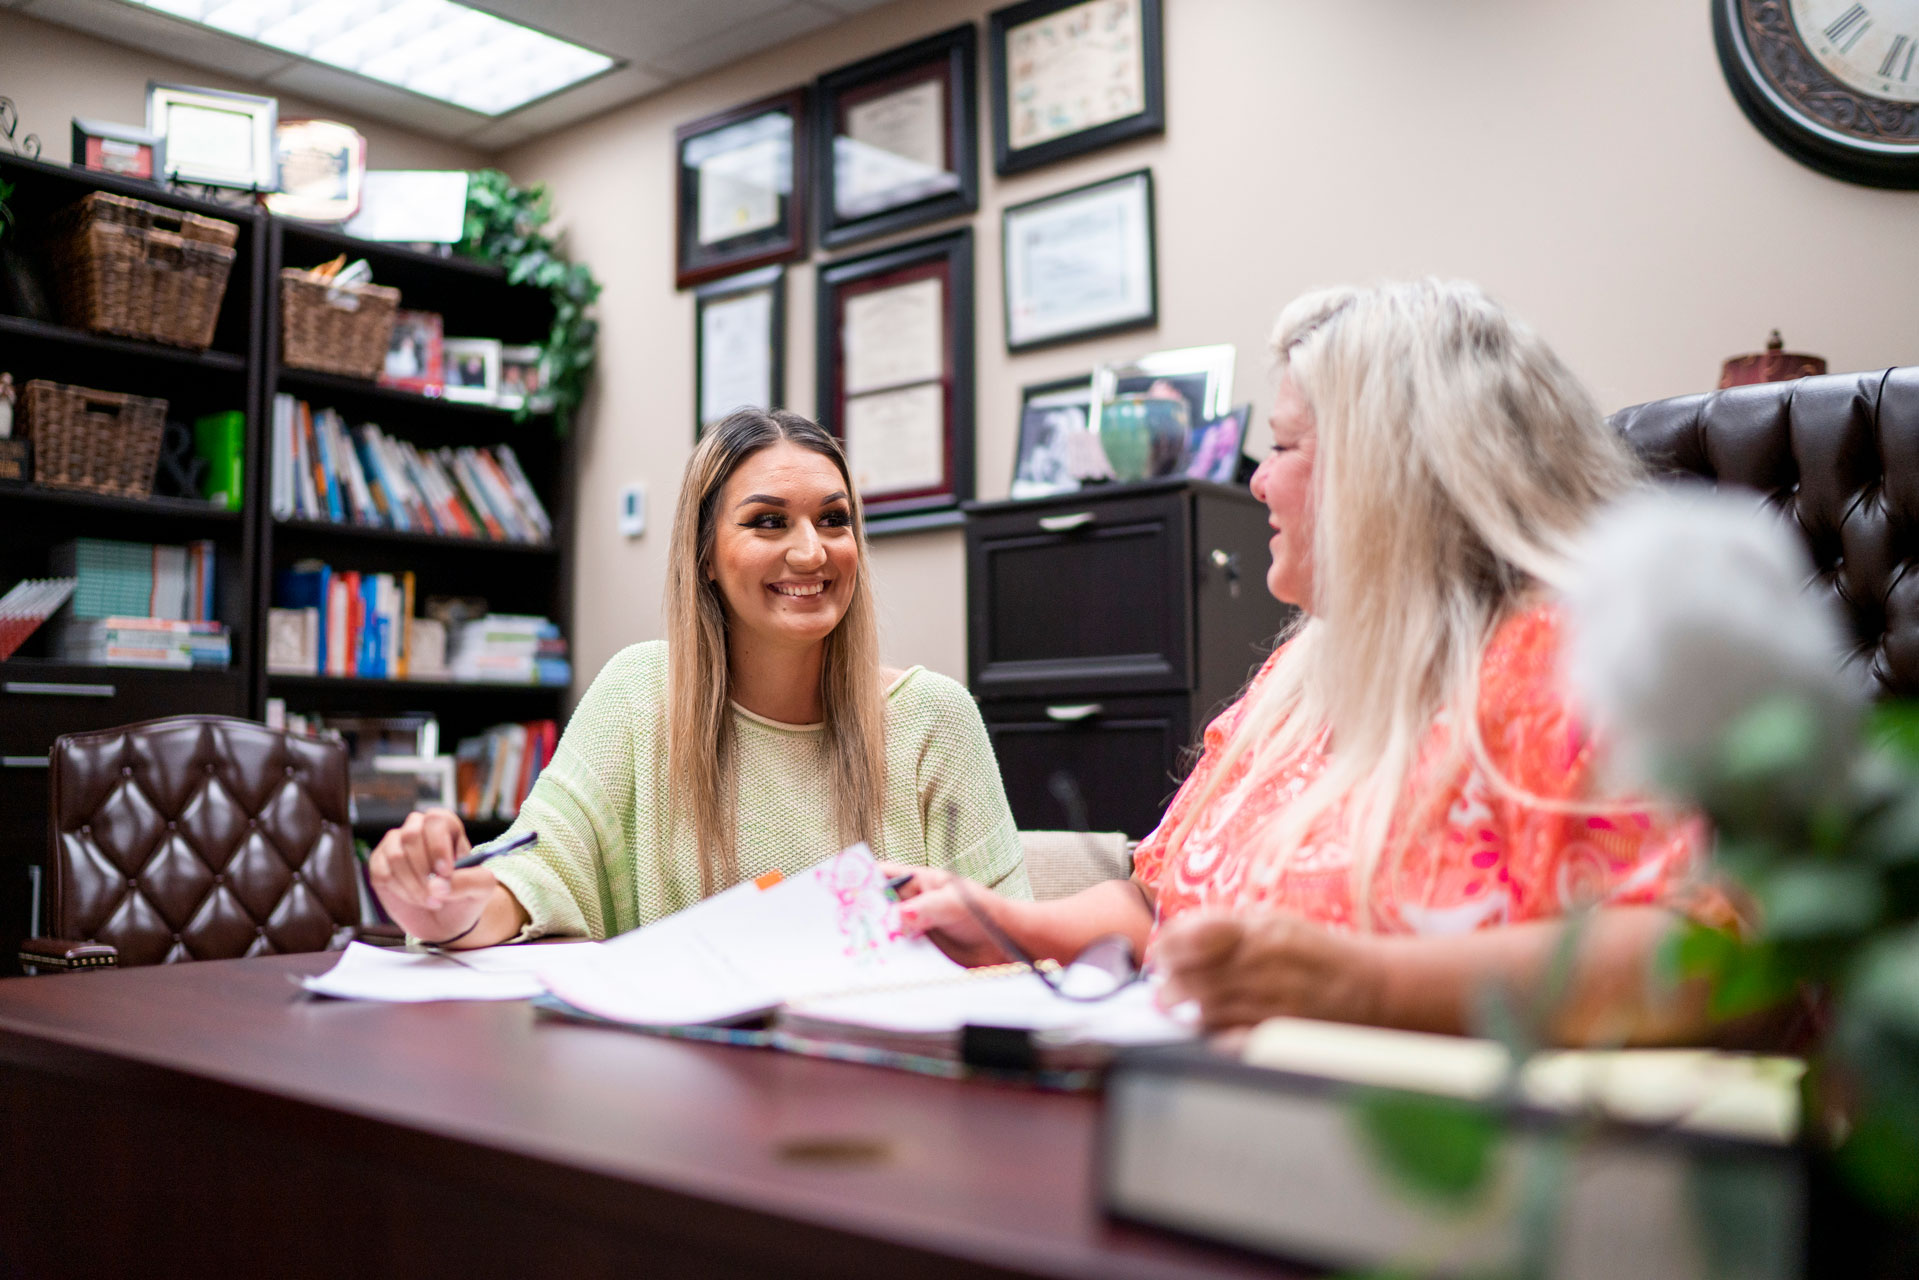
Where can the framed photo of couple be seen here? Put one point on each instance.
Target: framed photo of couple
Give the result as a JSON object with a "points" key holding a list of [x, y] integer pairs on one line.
{"points": [[895, 376]]}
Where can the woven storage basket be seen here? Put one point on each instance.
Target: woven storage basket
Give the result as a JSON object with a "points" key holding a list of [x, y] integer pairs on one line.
{"points": [[342, 329], [141, 270], [99, 441]]}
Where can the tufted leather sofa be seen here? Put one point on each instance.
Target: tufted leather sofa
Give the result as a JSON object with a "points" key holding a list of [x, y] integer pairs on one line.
{"points": [[1839, 454], [196, 838]]}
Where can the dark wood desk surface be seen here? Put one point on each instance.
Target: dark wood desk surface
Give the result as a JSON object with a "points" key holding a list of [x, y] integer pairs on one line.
{"points": [[210, 1118]]}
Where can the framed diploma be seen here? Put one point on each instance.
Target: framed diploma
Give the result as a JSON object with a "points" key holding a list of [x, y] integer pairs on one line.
{"points": [[1080, 263], [1071, 76], [742, 188], [894, 139], [215, 138], [895, 352], [739, 336]]}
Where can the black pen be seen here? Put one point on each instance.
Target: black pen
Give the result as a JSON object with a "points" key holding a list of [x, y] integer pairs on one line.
{"points": [[896, 883], [484, 852]]}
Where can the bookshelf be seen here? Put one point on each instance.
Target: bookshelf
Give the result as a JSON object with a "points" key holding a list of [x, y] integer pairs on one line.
{"points": [[41, 698]]}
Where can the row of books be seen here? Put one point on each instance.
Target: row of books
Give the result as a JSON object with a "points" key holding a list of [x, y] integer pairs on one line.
{"points": [[344, 623], [508, 648], [142, 642], [29, 603], [494, 772], [115, 579], [325, 470]]}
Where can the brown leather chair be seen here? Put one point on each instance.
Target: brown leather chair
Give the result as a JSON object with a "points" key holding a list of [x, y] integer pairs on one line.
{"points": [[196, 838], [1839, 454]]}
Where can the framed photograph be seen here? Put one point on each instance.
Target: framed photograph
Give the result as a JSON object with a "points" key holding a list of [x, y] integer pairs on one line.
{"points": [[1080, 263], [895, 374], [1058, 451], [1213, 450], [213, 137], [895, 141], [1145, 411], [1071, 76], [742, 178], [472, 369], [118, 148], [322, 170], [523, 379], [739, 337], [415, 358]]}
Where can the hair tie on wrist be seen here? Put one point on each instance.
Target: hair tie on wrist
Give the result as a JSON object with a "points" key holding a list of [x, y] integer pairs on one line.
{"points": [[456, 937]]}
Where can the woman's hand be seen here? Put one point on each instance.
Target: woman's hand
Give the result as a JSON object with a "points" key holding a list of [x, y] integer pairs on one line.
{"points": [[412, 872], [1244, 969], [933, 907]]}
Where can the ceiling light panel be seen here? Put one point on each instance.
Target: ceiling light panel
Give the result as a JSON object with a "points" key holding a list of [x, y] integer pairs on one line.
{"points": [[435, 48]]}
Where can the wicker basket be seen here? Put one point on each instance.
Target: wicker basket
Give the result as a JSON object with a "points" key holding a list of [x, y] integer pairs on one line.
{"points": [[140, 270], [335, 329], [99, 441]]}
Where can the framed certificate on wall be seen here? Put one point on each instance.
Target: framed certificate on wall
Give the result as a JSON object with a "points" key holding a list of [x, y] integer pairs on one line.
{"points": [[739, 335], [1072, 76], [895, 139], [895, 353], [741, 184], [1080, 263]]}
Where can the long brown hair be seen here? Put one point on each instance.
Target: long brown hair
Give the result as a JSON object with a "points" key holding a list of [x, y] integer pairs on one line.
{"points": [[700, 739]]}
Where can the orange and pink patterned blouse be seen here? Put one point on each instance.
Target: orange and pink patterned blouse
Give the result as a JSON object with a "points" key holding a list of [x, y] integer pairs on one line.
{"points": [[1491, 859]]}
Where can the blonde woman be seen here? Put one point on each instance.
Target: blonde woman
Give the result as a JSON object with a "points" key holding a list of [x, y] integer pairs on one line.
{"points": [[762, 735], [1403, 801]]}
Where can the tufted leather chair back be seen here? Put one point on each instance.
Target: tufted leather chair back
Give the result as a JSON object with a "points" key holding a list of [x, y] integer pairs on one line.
{"points": [[1839, 454], [201, 838]]}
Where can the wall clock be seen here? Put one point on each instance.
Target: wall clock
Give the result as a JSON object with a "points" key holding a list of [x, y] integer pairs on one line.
{"points": [[1833, 83]]}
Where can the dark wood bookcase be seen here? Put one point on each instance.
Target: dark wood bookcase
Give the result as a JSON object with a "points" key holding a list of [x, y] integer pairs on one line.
{"points": [[41, 698]]}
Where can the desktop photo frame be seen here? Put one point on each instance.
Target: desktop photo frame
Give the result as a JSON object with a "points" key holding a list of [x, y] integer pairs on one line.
{"points": [[215, 138], [742, 178], [1072, 76], [119, 149], [472, 370]]}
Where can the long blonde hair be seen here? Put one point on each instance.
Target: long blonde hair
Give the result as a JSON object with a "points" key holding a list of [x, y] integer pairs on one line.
{"points": [[1456, 459], [700, 737]]}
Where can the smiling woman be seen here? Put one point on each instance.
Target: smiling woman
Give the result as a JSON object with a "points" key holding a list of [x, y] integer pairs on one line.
{"points": [[762, 736]]}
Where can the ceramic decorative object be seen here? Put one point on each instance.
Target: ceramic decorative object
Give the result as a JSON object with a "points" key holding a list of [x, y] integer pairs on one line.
{"points": [[1144, 436]]}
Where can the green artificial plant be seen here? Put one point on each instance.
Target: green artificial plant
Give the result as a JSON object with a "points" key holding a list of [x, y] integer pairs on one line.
{"points": [[506, 225], [6, 213]]}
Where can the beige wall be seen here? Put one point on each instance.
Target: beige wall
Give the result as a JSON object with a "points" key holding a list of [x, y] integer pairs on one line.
{"points": [[1585, 161], [55, 73]]}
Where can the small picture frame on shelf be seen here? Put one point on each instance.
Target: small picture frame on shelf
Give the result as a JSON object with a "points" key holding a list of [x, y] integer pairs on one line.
{"points": [[895, 373], [119, 149], [415, 353], [1080, 264], [1072, 76], [213, 137], [1057, 451], [739, 336], [1215, 447], [742, 188], [895, 139], [322, 170], [523, 379], [472, 370]]}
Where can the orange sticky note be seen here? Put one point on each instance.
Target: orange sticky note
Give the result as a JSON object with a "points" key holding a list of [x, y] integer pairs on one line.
{"points": [[768, 880]]}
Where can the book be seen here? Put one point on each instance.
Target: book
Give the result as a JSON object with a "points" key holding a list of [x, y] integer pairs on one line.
{"points": [[26, 605], [1263, 1149]]}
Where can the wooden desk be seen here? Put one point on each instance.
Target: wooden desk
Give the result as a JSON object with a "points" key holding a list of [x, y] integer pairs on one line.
{"points": [[210, 1119]]}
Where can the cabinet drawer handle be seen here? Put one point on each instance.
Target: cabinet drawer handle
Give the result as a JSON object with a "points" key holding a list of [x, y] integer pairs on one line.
{"points": [[55, 688], [1074, 712], [24, 762], [1067, 523]]}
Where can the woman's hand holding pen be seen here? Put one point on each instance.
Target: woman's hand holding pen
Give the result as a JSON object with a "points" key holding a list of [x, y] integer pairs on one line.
{"points": [[931, 905], [414, 873]]}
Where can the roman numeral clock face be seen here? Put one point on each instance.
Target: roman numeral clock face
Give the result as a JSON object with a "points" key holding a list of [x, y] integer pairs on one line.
{"points": [[1833, 83]]}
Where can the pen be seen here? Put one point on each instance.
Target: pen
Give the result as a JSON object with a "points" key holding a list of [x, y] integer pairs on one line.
{"points": [[484, 852], [895, 883]]}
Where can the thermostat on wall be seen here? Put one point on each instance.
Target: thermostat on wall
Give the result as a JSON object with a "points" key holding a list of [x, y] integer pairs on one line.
{"points": [[633, 510]]}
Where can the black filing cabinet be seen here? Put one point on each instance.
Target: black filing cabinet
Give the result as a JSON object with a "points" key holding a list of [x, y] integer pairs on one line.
{"points": [[1105, 630]]}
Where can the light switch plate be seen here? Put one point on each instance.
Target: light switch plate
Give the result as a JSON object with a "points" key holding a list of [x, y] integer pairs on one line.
{"points": [[633, 510]]}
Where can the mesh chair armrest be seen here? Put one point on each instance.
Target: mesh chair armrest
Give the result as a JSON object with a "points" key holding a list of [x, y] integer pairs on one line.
{"points": [[63, 954]]}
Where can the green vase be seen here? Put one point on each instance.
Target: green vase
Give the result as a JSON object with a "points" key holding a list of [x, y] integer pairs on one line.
{"points": [[1143, 436]]}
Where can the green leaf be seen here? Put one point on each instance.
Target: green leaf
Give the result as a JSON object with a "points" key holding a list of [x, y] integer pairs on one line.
{"points": [[1743, 1209], [1808, 899], [1881, 1160], [1438, 1148], [1775, 737], [1895, 726]]}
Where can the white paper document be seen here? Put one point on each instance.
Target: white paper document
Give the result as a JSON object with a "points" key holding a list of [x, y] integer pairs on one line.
{"points": [[412, 977]]}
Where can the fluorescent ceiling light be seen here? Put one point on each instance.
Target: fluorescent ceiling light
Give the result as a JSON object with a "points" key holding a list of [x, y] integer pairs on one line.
{"points": [[437, 48]]}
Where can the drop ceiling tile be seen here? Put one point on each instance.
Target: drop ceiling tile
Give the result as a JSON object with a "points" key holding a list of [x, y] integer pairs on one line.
{"points": [[635, 31], [789, 23], [854, 6], [589, 99], [151, 32], [369, 97]]}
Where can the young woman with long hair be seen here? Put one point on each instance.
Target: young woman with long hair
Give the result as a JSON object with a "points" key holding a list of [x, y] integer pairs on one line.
{"points": [[761, 735], [1403, 803]]}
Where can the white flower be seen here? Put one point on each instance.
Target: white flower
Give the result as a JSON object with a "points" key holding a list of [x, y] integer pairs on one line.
{"points": [[1688, 607]]}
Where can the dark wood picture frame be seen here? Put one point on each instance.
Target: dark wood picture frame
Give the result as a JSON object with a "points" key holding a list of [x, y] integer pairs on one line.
{"points": [[1149, 120], [770, 279], [948, 257], [952, 56], [1146, 318], [785, 240]]}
